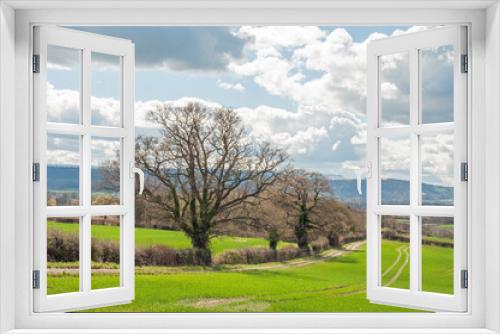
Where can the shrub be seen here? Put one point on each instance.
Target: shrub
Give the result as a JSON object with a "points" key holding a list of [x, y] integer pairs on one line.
{"points": [[319, 245], [257, 255], [157, 255], [105, 251], [289, 253], [62, 247]]}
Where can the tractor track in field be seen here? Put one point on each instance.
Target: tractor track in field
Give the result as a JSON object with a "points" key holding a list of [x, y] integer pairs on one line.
{"points": [[328, 254], [401, 250]]}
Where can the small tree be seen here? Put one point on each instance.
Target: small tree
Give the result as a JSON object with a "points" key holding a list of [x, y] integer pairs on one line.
{"points": [[334, 221], [301, 191], [202, 167]]}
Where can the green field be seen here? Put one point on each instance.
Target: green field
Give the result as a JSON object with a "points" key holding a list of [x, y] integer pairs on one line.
{"points": [[172, 239], [332, 285]]}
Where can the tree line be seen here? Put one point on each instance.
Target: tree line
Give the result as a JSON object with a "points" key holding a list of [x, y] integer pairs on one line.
{"points": [[206, 174]]}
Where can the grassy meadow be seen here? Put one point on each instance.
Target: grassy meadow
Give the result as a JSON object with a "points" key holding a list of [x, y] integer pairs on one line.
{"points": [[172, 239], [313, 284]]}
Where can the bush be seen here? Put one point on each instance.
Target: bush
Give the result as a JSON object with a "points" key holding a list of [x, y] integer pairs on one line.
{"points": [[319, 245], [289, 253], [155, 256], [105, 251], [62, 247], [257, 255]]}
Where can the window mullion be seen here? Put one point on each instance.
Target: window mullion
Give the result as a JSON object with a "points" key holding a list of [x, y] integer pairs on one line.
{"points": [[85, 232], [414, 172]]}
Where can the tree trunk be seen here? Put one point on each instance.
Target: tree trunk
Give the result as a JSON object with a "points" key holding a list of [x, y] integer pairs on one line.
{"points": [[201, 247], [301, 234], [334, 240], [273, 238]]}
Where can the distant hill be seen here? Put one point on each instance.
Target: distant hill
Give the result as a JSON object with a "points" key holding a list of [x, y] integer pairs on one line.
{"points": [[394, 191], [66, 178], [62, 178]]}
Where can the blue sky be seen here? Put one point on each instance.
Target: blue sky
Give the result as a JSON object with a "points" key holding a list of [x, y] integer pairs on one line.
{"points": [[300, 87]]}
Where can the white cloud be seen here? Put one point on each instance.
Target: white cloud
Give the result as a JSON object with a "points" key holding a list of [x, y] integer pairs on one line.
{"points": [[389, 91], [437, 159], [324, 74], [104, 149], [63, 105], [280, 36], [284, 128], [229, 86], [62, 157], [335, 145]]}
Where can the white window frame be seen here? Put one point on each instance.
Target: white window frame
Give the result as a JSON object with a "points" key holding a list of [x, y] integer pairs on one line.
{"points": [[16, 20], [411, 44], [86, 44]]}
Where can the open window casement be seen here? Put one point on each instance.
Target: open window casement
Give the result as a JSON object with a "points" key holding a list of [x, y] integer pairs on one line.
{"points": [[417, 111], [88, 125]]}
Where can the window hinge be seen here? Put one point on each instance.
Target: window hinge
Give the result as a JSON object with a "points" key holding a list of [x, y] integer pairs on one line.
{"points": [[36, 172], [36, 279], [464, 279], [464, 171], [465, 64], [36, 64]]}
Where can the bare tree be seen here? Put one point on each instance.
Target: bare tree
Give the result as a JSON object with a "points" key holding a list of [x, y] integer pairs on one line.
{"points": [[334, 221], [301, 193], [202, 167]]}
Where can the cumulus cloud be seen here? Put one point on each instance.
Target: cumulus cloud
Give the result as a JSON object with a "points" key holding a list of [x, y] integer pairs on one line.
{"points": [[229, 86], [104, 149], [395, 158], [322, 72], [63, 105], [437, 159]]}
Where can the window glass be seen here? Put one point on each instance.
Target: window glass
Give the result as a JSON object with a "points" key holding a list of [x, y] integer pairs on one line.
{"points": [[437, 84], [63, 255], [395, 252], [105, 101], [437, 169], [394, 89], [105, 232], [63, 84], [106, 170], [63, 170], [437, 254], [395, 170]]}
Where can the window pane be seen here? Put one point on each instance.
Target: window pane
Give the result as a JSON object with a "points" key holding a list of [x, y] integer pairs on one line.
{"points": [[395, 254], [63, 170], [106, 90], [437, 254], [394, 89], [395, 170], [63, 84], [437, 84], [63, 259], [437, 169], [105, 252], [105, 170]]}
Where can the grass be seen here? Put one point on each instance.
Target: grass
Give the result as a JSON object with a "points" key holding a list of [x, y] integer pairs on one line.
{"points": [[437, 269], [395, 264], [173, 239], [334, 285]]}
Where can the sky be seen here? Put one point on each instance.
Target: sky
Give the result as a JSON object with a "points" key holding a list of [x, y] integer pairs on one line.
{"points": [[299, 87]]}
